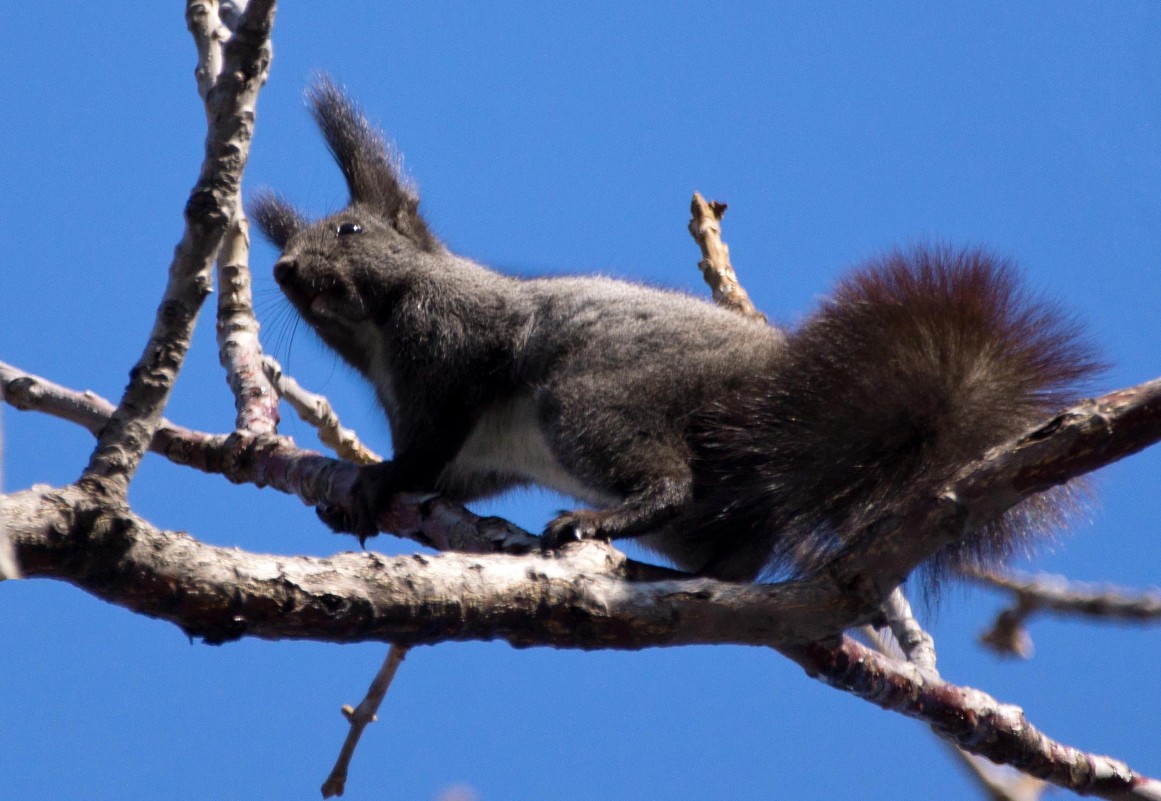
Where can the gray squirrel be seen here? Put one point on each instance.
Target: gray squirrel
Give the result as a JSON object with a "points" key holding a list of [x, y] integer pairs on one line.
{"points": [[729, 447]]}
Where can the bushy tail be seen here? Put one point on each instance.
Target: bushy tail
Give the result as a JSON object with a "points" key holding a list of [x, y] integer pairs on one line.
{"points": [[916, 365]]}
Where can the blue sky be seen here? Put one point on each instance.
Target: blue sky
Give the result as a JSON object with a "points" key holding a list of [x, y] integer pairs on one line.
{"points": [[553, 139]]}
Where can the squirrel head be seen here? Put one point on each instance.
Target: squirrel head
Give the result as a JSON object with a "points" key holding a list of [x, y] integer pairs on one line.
{"points": [[336, 270]]}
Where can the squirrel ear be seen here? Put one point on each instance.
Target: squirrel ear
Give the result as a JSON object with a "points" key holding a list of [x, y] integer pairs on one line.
{"points": [[276, 219], [369, 164]]}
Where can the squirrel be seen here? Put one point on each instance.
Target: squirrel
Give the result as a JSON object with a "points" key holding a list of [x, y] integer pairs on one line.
{"points": [[731, 448]]}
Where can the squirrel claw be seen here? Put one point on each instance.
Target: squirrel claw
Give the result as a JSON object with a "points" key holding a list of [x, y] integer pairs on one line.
{"points": [[341, 521], [334, 517], [574, 526]]}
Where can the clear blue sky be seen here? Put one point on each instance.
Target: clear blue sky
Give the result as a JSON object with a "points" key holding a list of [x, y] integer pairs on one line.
{"points": [[554, 139]]}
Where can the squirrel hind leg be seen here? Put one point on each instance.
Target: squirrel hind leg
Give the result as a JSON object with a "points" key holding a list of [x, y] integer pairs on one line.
{"points": [[664, 497]]}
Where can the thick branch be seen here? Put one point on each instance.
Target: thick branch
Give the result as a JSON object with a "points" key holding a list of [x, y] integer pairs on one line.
{"points": [[230, 105], [849, 592], [585, 598]]}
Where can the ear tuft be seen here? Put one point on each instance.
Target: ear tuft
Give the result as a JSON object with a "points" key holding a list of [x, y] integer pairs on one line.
{"points": [[369, 164], [276, 219]]}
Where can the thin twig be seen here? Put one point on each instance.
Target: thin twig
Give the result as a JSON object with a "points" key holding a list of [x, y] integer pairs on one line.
{"points": [[1001, 783], [1058, 595], [366, 712], [316, 411], [916, 644], [705, 226]]}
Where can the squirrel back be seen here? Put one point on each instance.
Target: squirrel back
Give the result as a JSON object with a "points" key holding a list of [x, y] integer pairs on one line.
{"points": [[731, 448], [914, 366]]}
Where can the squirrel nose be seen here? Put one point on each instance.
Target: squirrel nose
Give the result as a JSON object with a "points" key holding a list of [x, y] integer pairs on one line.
{"points": [[283, 269]]}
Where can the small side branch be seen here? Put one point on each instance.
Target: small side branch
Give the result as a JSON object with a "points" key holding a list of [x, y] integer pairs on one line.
{"points": [[239, 350], [917, 645], [272, 462], [366, 712], [1058, 595], [316, 411], [204, 21], [970, 719], [705, 226], [999, 782]]}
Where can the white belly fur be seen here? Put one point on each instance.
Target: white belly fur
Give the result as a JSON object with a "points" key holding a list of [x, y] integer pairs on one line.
{"points": [[508, 439]]}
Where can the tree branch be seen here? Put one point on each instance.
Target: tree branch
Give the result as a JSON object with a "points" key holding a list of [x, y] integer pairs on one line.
{"points": [[705, 228], [204, 21], [316, 411], [848, 592], [1036, 594], [360, 717], [271, 462], [1000, 783], [915, 643], [230, 107], [1091, 434], [584, 598], [239, 350], [589, 596], [971, 719]]}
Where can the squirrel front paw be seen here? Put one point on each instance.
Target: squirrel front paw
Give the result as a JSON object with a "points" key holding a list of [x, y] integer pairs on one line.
{"points": [[371, 496], [574, 526]]}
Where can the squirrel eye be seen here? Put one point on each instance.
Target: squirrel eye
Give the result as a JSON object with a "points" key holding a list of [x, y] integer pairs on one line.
{"points": [[349, 228]]}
